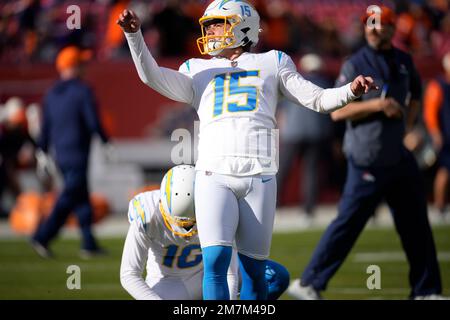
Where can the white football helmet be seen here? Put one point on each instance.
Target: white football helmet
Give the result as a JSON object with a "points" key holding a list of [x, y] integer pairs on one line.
{"points": [[241, 26], [177, 200]]}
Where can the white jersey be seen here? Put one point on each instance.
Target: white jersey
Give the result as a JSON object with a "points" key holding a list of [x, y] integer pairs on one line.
{"points": [[236, 103], [170, 259], [168, 254], [148, 239]]}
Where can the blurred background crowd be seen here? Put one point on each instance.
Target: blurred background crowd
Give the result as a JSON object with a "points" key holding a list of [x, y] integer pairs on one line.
{"points": [[35, 30], [318, 34]]}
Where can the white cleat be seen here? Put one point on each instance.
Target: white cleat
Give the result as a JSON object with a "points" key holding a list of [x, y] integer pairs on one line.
{"points": [[299, 292]]}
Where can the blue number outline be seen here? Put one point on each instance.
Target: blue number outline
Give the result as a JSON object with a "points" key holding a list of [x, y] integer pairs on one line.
{"points": [[250, 91], [230, 83], [182, 263], [219, 95], [182, 259], [171, 252]]}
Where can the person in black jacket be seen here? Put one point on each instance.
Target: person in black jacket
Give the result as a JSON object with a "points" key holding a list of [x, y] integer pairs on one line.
{"points": [[70, 120], [380, 168]]}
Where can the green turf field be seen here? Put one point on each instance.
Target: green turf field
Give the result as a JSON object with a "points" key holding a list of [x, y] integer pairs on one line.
{"points": [[24, 275]]}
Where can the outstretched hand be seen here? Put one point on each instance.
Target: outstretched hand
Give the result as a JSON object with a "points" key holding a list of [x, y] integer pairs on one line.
{"points": [[129, 21], [362, 85]]}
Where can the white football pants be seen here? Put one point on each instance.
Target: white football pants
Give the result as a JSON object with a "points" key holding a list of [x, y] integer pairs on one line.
{"points": [[233, 208]]}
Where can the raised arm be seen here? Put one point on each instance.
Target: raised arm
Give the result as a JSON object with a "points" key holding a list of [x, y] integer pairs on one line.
{"points": [[304, 92], [170, 83]]}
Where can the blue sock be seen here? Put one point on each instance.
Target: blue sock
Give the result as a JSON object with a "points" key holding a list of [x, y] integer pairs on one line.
{"points": [[254, 284], [277, 277], [216, 260]]}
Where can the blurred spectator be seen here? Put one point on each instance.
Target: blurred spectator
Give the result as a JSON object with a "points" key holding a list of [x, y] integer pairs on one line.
{"points": [[28, 21], [436, 10], [174, 29], [440, 38], [437, 119], [330, 43], [33, 30], [70, 120], [303, 34], [192, 9], [413, 29], [13, 136], [278, 20], [114, 38], [303, 132]]}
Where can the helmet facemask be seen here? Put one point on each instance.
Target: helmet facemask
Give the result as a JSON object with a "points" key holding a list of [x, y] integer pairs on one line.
{"points": [[180, 226], [241, 26], [214, 44]]}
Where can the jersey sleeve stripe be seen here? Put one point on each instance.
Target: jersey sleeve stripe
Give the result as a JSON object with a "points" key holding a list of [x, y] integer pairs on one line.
{"points": [[280, 54], [140, 212]]}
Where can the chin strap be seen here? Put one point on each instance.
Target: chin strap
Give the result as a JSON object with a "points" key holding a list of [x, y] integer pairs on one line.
{"points": [[182, 224]]}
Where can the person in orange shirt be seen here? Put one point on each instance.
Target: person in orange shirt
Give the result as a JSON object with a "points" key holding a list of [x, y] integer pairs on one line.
{"points": [[437, 120], [114, 37]]}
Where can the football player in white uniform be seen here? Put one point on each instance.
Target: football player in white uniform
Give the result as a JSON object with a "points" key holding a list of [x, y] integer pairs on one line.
{"points": [[163, 236], [235, 94]]}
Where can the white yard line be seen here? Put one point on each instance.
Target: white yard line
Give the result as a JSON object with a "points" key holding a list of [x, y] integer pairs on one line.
{"points": [[365, 291], [286, 220], [391, 256]]}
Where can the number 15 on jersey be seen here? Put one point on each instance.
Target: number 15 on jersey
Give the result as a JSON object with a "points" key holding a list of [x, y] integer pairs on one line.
{"points": [[227, 86]]}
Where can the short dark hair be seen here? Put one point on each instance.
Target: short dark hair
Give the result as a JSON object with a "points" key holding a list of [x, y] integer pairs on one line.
{"points": [[213, 21]]}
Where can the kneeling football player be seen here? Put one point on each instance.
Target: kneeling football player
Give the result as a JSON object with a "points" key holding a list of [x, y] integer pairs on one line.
{"points": [[163, 236]]}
